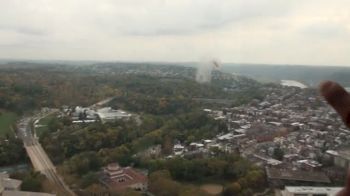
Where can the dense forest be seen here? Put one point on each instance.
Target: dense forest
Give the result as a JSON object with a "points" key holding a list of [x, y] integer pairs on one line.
{"points": [[24, 88], [165, 100]]}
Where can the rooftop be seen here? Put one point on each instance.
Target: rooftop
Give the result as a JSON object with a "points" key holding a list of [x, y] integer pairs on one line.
{"points": [[305, 176], [11, 183], [345, 154], [24, 193], [126, 177]]}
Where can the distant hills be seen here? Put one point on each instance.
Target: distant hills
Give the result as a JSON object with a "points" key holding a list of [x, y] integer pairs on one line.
{"points": [[309, 75]]}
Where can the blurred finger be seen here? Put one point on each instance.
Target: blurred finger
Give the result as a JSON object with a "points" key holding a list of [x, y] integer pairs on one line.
{"points": [[346, 190], [338, 98], [342, 193]]}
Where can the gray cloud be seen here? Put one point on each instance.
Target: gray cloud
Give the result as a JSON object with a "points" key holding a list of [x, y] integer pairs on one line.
{"points": [[23, 30], [325, 30], [189, 18], [260, 31]]}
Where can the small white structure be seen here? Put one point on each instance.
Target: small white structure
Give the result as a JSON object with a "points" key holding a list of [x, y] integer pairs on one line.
{"points": [[178, 149], [241, 131], [228, 136], [207, 142], [196, 146], [293, 83], [207, 110]]}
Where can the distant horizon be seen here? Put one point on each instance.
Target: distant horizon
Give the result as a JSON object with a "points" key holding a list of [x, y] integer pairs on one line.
{"points": [[169, 62]]}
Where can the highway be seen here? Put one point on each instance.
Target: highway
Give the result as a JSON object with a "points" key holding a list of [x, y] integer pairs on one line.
{"points": [[39, 158]]}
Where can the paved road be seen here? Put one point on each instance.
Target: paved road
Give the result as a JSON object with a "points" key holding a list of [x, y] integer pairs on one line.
{"points": [[101, 103], [39, 158]]}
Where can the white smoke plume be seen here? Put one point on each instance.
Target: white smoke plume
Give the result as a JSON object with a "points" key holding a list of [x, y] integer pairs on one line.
{"points": [[204, 70]]}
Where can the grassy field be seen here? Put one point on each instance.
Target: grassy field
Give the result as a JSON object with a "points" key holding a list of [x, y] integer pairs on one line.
{"points": [[43, 125], [7, 119]]}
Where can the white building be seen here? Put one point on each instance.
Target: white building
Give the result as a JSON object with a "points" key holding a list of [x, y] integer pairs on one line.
{"points": [[310, 191], [178, 149], [196, 146], [226, 137], [121, 178], [109, 114]]}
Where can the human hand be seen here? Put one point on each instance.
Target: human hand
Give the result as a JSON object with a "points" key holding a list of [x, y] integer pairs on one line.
{"points": [[339, 99]]}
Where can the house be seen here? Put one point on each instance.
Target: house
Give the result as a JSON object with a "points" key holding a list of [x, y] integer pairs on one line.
{"points": [[225, 137], [120, 178], [207, 142], [196, 146], [178, 149]]}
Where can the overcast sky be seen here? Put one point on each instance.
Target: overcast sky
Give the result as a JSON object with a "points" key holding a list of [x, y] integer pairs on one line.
{"points": [[250, 31]]}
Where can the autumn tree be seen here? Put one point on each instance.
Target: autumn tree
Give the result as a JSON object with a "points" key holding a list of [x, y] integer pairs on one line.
{"points": [[278, 153], [232, 189], [161, 184]]}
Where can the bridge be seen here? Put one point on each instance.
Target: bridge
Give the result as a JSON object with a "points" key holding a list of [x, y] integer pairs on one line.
{"points": [[40, 161]]}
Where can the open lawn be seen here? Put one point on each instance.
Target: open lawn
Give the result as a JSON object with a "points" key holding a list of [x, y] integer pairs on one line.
{"points": [[7, 119]]}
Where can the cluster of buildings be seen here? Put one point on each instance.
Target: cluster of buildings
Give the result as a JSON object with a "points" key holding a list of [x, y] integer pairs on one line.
{"points": [[309, 136], [90, 114], [204, 148]]}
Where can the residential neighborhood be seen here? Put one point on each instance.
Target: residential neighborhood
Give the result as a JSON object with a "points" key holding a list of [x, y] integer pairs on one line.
{"points": [[292, 133]]}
